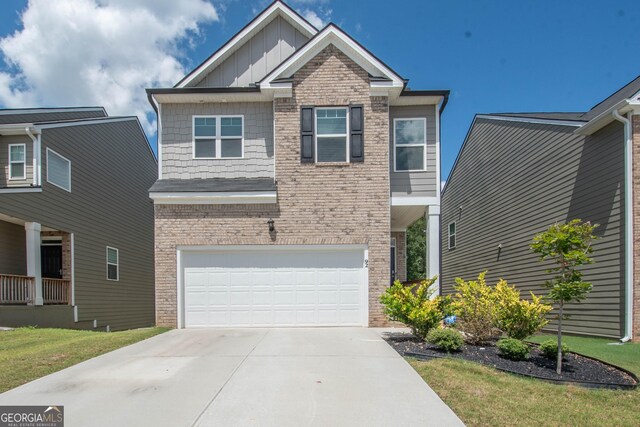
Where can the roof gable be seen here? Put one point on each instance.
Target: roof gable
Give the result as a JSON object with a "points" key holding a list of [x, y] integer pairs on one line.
{"points": [[382, 75], [276, 11]]}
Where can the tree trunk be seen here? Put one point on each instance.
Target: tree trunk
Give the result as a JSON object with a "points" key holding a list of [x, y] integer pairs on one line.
{"points": [[559, 360]]}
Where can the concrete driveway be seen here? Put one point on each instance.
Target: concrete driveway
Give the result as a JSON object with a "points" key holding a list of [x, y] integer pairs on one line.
{"points": [[243, 377]]}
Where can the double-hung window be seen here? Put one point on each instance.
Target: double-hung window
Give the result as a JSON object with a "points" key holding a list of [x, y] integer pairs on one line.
{"points": [[218, 137], [113, 264], [409, 141], [17, 161], [452, 235], [331, 135]]}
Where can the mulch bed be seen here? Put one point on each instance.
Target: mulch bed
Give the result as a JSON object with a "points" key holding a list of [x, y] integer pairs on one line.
{"points": [[576, 368]]}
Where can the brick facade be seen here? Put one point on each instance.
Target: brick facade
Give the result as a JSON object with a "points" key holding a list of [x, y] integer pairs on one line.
{"points": [[401, 254], [317, 204], [636, 228]]}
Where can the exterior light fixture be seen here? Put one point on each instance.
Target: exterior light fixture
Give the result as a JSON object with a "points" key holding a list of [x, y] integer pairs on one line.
{"points": [[272, 226]]}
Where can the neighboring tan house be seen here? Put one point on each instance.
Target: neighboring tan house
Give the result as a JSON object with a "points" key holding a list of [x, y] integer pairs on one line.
{"points": [[291, 162], [518, 173], [76, 224]]}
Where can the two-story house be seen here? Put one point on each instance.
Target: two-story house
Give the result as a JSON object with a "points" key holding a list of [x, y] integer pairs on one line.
{"points": [[76, 223], [518, 173], [291, 162]]}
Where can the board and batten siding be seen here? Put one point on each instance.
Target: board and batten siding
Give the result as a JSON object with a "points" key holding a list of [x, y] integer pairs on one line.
{"points": [[512, 181], [5, 141], [257, 57], [177, 142], [112, 169], [414, 183]]}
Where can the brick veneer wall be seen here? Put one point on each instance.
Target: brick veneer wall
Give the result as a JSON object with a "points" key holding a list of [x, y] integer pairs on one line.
{"points": [[317, 204], [636, 228]]}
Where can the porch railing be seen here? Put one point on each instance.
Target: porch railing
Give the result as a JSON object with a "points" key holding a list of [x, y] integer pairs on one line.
{"points": [[56, 291], [16, 289]]}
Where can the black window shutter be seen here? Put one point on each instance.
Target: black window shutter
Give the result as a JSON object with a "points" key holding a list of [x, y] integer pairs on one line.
{"points": [[306, 135], [356, 120]]}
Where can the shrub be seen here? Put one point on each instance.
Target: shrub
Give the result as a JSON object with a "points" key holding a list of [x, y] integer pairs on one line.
{"points": [[474, 306], [549, 349], [513, 349], [413, 306], [446, 339], [516, 317]]}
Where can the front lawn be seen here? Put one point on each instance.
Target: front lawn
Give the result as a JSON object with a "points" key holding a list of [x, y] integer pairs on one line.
{"points": [[483, 396], [30, 353]]}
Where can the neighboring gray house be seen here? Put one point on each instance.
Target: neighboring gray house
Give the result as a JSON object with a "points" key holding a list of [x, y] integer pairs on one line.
{"points": [[291, 162], [76, 225], [518, 173]]}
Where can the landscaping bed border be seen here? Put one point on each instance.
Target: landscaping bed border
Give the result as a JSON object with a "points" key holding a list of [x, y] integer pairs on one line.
{"points": [[586, 384]]}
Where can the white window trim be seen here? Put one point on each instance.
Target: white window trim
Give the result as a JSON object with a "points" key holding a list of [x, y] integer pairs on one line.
{"points": [[218, 138], [454, 235], [395, 151], [12, 162], [333, 135], [117, 279], [69, 161]]}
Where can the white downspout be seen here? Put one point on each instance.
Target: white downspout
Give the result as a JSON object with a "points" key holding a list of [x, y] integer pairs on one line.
{"points": [[628, 225]]}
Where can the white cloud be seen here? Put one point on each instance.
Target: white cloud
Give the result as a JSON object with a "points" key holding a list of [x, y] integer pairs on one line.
{"points": [[98, 52], [313, 18]]}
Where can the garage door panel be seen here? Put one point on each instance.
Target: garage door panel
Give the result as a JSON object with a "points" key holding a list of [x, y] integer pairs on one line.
{"points": [[281, 287]]}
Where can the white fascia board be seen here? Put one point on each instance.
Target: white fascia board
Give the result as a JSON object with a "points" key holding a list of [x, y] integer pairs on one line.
{"points": [[202, 98], [213, 198], [82, 122], [264, 18], [332, 35], [20, 190], [531, 120], [18, 129], [414, 201], [606, 117]]}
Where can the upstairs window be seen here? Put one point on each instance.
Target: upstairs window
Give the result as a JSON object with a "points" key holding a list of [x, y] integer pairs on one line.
{"points": [[331, 135], [113, 264], [17, 161], [218, 137], [409, 141], [452, 235], [58, 170]]}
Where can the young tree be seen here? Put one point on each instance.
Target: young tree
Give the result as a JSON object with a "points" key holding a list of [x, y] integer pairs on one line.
{"points": [[568, 246]]}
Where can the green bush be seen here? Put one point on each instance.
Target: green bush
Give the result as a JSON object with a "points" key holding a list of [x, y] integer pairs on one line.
{"points": [[446, 339], [516, 317], [475, 309], [513, 349], [549, 349], [413, 306]]}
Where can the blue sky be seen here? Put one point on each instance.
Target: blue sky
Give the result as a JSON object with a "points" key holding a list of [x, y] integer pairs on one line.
{"points": [[494, 56]]}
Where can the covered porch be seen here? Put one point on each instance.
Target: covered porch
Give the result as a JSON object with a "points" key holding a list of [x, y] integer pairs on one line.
{"points": [[35, 264], [404, 212]]}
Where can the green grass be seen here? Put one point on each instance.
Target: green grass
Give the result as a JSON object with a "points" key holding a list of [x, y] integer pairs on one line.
{"points": [[626, 356], [483, 396], [30, 353]]}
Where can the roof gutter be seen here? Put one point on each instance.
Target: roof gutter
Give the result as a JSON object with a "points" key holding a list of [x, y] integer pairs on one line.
{"points": [[628, 223]]}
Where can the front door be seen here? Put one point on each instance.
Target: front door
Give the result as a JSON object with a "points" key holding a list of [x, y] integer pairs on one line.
{"points": [[393, 264], [51, 261]]}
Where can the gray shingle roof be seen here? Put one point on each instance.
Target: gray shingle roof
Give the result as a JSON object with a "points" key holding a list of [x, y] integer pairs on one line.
{"points": [[213, 185], [573, 116]]}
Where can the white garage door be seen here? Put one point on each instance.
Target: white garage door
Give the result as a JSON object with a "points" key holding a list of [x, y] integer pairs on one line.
{"points": [[279, 286]]}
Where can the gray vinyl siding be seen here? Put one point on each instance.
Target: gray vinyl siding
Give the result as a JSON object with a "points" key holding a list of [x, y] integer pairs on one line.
{"points": [[177, 142], [5, 141], [414, 183], [12, 249], [512, 180], [112, 168], [257, 57], [17, 116]]}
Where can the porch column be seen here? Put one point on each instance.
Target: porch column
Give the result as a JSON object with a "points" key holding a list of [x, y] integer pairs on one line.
{"points": [[433, 244], [33, 257]]}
